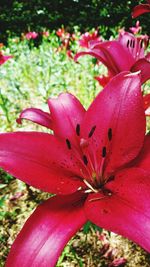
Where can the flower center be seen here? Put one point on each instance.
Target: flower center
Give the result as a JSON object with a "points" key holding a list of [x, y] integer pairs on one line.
{"points": [[135, 46], [93, 166]]}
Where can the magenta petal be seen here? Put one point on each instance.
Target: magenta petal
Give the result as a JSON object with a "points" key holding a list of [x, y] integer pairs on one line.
{"points": [[143, 160], [36, 115], [40, 160], [144, 66], [127, 211], [107, 53], [102, 56], [97, 53], [146, 99], [148, 56], [118, 107], [3, 58], [46, 232], [140, 9], [102, 79], [111, 50], [66, 113]]}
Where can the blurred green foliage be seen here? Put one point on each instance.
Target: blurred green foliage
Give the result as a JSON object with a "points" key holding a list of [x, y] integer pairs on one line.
{"points": [[17, 16]]}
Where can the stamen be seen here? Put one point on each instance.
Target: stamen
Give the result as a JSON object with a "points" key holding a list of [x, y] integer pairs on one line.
{"points": [[92, 131], [96, 198], [85, 160], [68, 143], [78, 129], [104, 152], [109, 134], [131, 43], [90, 187], [141, 44]]}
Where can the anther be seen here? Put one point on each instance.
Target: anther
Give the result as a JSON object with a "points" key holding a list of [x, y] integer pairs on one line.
{"points": [[133, 44], [78, 129], [68, 144], [85, 160], [92, 131], [141, 44], [128, 43], [109, 134], [111, 178], [104, 152]]}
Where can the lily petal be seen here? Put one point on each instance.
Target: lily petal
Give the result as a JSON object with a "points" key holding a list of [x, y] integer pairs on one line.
{"points": [[46, 232], [66, 113], [40, 160], [143, 160], [107, 53], [148, 56], [140, 9], [119, 104], [144, 66], [103, 80], [94, 53], [36, 115], [146, 99], [110, 50], [127, 210]]}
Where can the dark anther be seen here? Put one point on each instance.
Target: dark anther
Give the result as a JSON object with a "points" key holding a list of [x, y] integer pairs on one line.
{"points": [[128, 43], [141, 44], [68, 144], [85, 160], [146, 43], [111, 178], [78, 129], [133, 44], [110, 134], [92, 131], [104, 152]]}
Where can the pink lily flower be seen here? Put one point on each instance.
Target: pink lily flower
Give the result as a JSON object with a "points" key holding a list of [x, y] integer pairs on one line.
{"points": [[141, 9], [137, 28], [31, 35], [88, 37], [45, 33], [124, 54], [3, 58], [65, 38], [96, 163]]}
